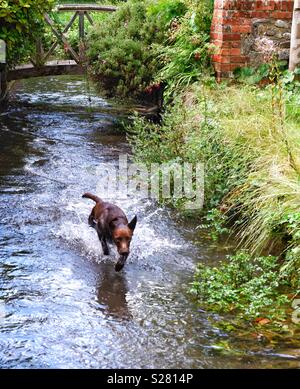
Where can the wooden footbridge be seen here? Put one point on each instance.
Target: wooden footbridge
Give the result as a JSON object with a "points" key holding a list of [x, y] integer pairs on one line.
{"points": [[42, 63]]}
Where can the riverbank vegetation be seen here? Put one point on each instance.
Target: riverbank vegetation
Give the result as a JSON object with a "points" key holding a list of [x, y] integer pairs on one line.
{"points": [[247, 136], [251, 183], [21, 21]]}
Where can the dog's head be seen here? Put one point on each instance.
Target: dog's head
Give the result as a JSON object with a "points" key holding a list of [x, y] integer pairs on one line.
{"points": [[122, 237]]}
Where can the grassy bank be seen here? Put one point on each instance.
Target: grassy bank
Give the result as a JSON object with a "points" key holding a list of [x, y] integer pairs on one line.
{"points": [[246, 136], [251, 151]]}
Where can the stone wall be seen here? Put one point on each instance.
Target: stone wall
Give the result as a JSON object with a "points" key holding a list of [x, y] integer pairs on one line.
{"points": [[243, 31]]}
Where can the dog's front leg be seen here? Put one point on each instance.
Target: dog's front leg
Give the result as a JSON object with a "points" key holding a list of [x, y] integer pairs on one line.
{"points": [[103, 244]]}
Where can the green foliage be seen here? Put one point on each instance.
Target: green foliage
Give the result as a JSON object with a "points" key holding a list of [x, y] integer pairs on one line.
{"points": [[164, 41], [166, 10], [284, 79], [185, 57], [216, 222], [291, 85], [252, 76], [21, 23], [237, 132], [120, 50], [158, 143], [243, 285], [190, 132], [291, 268]]}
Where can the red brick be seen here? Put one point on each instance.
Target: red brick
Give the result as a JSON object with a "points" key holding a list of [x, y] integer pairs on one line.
{"points": [[225, 51], [281, 15], [218, 43], [232, 19], [241, 14], [227, 44], [222, 51], [259, 14], [265, 5], [221, 58], [235, 44], [238, 59], [226, 67], [236, 51], [242, 29], [216, 36], [231, 37]]}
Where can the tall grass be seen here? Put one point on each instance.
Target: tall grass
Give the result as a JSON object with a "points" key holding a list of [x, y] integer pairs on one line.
{"points": [[246, 146]]}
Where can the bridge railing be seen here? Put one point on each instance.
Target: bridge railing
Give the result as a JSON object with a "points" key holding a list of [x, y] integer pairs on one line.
{"points": [[81, 12]]}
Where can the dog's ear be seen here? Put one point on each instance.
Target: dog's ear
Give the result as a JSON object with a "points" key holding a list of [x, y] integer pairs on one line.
{"points": [[132, 224]]}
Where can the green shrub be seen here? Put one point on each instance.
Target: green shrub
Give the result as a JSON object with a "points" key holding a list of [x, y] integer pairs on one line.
{"points": [[244, 285], [121, 52], [21, 23], [164, 41], [237, 133], [185, 56], [166, 10], [158, 143], [190, 132]]}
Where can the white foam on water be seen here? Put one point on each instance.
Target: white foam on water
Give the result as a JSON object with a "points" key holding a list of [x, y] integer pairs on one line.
{"points": [[151, 245]]}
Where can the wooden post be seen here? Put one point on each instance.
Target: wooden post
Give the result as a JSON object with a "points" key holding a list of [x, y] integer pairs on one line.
{"points": [[86, 7], [295, 38], [62, 38], [88, 16], [81, 25], [39, 53], [65, 30], [81, 37], [3, 71]]}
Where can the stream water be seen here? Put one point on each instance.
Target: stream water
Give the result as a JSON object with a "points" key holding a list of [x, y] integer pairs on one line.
{"points": [[62, 305]]}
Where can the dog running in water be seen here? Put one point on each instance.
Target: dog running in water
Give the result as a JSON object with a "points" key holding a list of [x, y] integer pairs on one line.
{"points": [[112, 226]]}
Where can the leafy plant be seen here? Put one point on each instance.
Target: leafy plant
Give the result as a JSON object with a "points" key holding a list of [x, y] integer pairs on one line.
{"points": [[166, 10], [216, 221], [151, 42], [21, 23], [243, 285], [185, 56], [251, 75], [247, 176], [121, 55]]}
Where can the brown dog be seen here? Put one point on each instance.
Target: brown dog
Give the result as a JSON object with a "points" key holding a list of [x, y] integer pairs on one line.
{"points": [[112, 226]]}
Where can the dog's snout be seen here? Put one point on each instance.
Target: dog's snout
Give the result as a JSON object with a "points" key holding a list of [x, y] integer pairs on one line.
{"points": [[124, 252], [121, 262], [123, 247]]}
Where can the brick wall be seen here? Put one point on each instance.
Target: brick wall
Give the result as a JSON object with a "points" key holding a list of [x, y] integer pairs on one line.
{"points": [[241, 28]]}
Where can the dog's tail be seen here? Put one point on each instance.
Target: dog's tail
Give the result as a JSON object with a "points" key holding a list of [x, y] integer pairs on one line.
{"points": [[92, 197]]}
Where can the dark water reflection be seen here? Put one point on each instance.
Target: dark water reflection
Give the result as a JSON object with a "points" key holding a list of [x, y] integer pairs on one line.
{"points": [[61, 303]]}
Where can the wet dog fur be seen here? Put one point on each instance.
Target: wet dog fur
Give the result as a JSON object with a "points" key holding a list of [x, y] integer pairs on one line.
{"points": [[112, 226]]}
